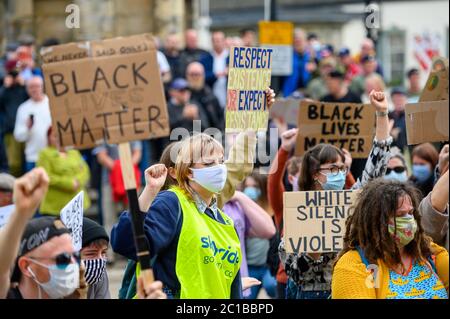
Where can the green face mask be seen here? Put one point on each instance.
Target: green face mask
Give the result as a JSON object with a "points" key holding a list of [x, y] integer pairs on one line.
{"points": [[406, 229]]}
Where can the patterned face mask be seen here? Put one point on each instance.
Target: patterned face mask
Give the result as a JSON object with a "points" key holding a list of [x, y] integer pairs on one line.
{"points": [[406, 229], [95, 269]]}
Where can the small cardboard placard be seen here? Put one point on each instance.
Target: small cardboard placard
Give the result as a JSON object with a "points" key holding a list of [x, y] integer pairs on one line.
{"points": [[249, 77], [427, 122], [285, 109], [105, 91], [314, 221], [345, 125], [436, 88], [72, 217]]}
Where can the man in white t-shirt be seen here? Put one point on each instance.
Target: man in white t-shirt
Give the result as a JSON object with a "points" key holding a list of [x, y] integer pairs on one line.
{"points": [[33, 121], [164, 67], [220, 56]]}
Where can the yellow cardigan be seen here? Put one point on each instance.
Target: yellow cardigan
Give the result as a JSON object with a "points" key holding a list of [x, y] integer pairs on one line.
{"points": [[351, 280]]}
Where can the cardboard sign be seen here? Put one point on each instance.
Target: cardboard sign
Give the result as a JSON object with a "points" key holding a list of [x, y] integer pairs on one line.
{"points": [[249, 77], [345, 125], [72, 217], [279, 36], [105, 91], [66, 52], [427, 122], [314, 222], [436, 88], [5, 213], [286, 110]]}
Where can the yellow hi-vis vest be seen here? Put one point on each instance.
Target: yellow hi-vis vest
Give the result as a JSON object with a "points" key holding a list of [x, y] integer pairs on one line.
{"points": [[208, 253]]}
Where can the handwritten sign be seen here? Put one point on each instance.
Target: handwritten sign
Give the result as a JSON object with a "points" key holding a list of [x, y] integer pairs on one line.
{"points": [[248, 79], [106, 90], [315, 220], [279, 36], [345, 125], [5, 213], [72, 217]]}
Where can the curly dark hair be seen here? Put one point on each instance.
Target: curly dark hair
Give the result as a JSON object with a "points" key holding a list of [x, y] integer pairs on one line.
{"points": [[367, 226]]}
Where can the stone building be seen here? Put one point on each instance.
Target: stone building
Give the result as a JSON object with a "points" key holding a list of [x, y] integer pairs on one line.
{"points": [[98, 18]]}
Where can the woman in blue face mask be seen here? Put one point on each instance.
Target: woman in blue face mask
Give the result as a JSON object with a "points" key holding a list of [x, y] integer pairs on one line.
{"points": [[324, 168], [258, 247], [425, 158], [397, 169]]}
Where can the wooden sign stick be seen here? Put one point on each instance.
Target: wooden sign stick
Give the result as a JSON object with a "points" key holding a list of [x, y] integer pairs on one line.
{"points": [[137, 217]]}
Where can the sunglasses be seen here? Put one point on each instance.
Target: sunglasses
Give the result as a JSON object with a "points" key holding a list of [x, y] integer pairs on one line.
{"points": [[398, 169], [62, 260]]}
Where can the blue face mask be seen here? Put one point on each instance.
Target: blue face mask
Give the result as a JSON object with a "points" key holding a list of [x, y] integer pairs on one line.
{"points": [[253, 193], [334, 182], [421, 172], [393, 176]]}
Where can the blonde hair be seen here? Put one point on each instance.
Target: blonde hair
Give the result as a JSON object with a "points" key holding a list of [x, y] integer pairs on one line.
{"points": [[193, 150], [378, 80]]}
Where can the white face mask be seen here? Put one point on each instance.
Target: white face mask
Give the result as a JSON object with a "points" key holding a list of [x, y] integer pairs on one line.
{"points": [[62, 283], [211, 178]]}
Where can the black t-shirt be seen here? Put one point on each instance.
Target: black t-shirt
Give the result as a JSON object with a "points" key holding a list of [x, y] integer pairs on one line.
{"points": [[14, 293], [348, 98]]}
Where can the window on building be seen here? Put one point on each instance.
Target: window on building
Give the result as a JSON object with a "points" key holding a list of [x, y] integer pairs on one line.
{"points": [[391, 51]]}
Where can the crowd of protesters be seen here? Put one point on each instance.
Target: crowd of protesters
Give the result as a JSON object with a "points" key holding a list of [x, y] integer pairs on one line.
{"points": [[400, 222]]}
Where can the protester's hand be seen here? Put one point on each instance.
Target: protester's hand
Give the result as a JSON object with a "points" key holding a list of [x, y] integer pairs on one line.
{"points": [[81, 291], [348, 158], [249, 282], [270, 96], [391, 125], [311, 67], [20, 80], [29, 123], [29, 190], [190, 111], [8, 81], [395, 132], [288, 139], [76, 184], [155, 176], [153, 291], [281, 125], [443, 159], [379, 100], [221, 74]]}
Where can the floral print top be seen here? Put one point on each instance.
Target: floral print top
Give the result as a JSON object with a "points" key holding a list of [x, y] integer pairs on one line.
{"points": [[421, 282]]}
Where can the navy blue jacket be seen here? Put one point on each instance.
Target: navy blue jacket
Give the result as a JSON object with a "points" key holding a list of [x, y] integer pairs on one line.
{"points": [[162, 227]]}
